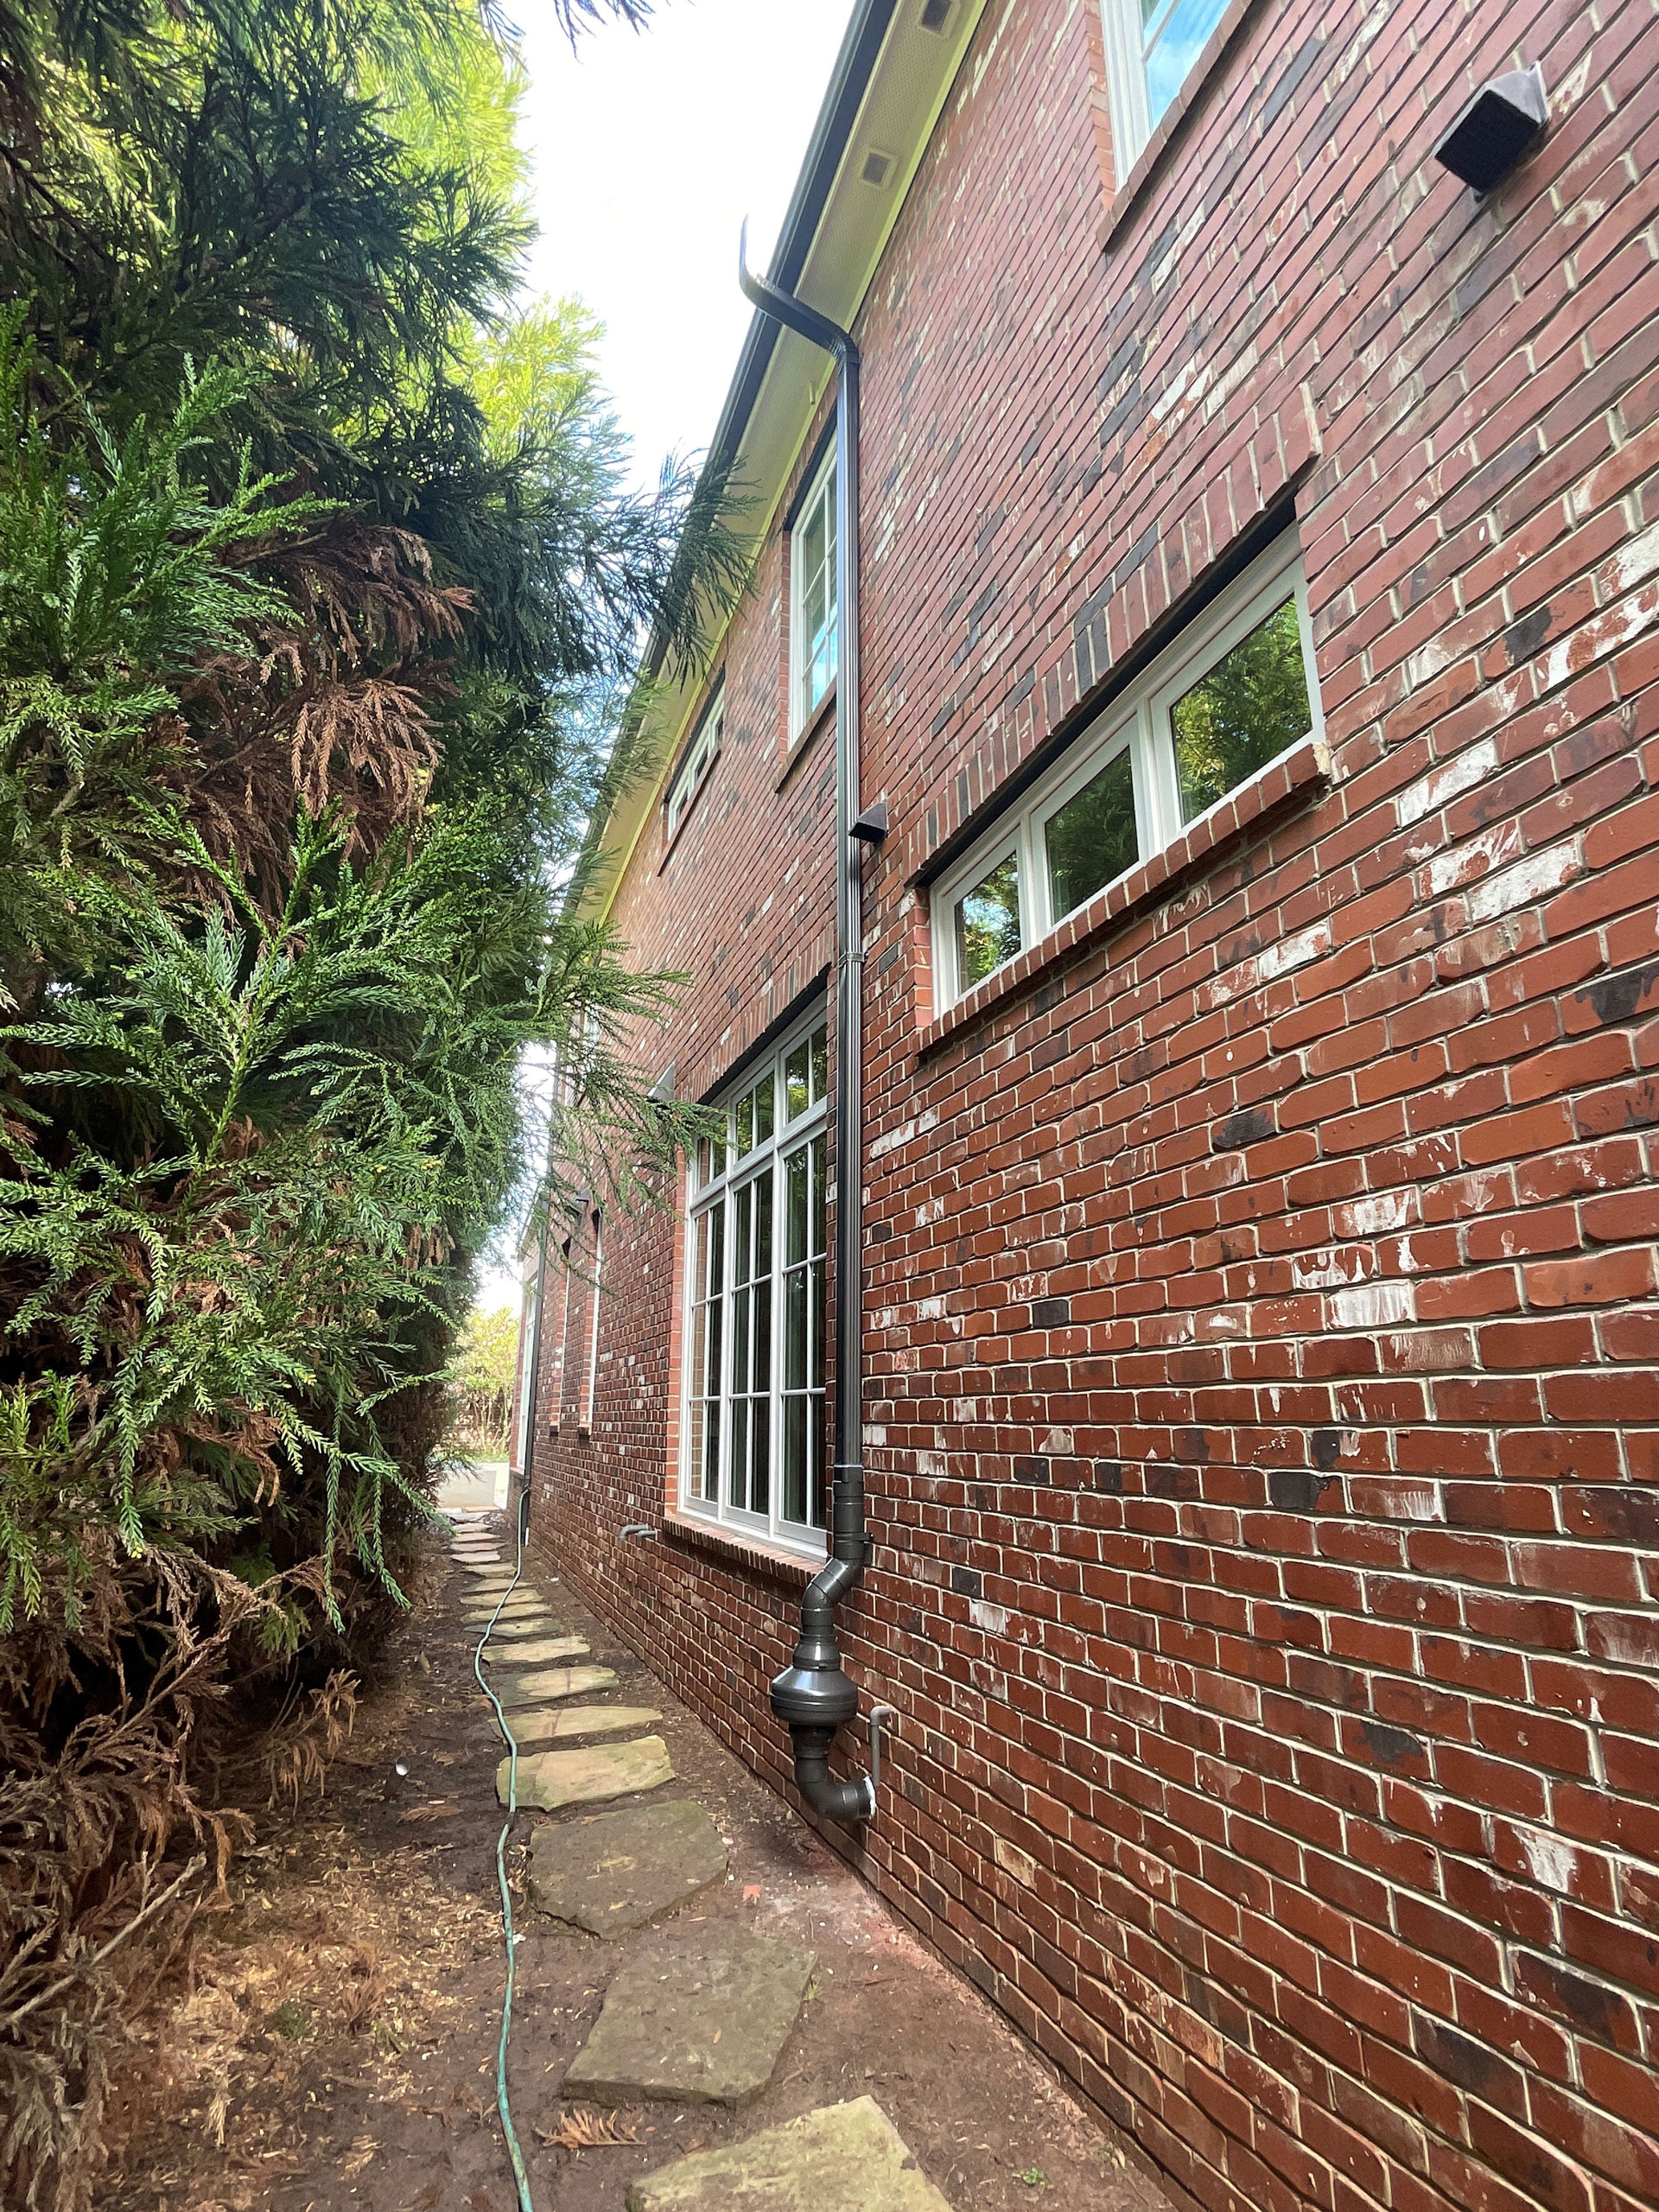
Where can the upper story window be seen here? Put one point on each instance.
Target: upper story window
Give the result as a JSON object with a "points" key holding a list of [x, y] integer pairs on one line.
{"points": [[812, 598], [752, 1453], [1233, 690], [1150, 46], [699, 757]]}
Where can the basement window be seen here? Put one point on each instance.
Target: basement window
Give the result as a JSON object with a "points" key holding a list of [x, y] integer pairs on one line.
{"points": [[812, 608], [754, 1427], [698, 759], [1151, 46], [1234, 689]]}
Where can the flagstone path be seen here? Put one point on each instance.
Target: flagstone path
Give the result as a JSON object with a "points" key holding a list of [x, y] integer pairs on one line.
{"points": [[848, 2158], [611, 1874], [698, 2001]]}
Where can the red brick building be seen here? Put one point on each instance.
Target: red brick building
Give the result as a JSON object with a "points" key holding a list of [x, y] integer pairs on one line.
{"points": [[1259, 567]]}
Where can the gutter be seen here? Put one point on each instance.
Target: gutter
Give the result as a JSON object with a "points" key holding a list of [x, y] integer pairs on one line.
{"points": [[813, 1696]]}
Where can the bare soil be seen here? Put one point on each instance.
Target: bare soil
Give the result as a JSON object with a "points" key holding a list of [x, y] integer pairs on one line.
{"points": [[334, 2044]]}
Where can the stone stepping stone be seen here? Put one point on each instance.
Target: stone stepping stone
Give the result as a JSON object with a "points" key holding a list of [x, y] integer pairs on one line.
{"points": [[553, 1682], [536, 1730], [844, 2159], [553, 1779], [527, 1625], [699, 2014], [521, 1602], [540, 1652], [611, 1875]]}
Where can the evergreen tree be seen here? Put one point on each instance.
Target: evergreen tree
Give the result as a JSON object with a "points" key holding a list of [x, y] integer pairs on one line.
{"points": [[318, 586]]}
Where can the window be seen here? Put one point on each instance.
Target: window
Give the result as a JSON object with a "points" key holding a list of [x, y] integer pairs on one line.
{"points": [[1235, 690], [585, 1409], [1150, 46], [812, 598], [699, 757], [753, 1451]]}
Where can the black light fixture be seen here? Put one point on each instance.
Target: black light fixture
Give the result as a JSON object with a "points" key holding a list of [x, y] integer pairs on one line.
{"points": [[1504, 120]]}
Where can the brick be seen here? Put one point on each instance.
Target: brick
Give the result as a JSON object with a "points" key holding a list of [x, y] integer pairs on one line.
{"points": [[1262, 1440]]}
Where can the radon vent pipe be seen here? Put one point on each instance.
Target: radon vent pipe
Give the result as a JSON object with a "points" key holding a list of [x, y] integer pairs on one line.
{"points": [[813, 1696]]}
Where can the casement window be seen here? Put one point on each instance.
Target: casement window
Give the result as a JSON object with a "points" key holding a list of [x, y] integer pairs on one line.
{"points": [[753, 1452], [1151, 44], [1234, 689], [699, 758], [812, 603]]}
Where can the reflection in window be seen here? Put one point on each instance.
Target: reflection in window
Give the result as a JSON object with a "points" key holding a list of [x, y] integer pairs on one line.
{"points": [[1093, 837], [1173, 34], [988, 924], [804, 1187], [812, 578], [1251, 705]]}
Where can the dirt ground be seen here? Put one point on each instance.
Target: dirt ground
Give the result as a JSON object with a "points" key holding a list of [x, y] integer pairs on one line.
{"points": [[335, 2044]]}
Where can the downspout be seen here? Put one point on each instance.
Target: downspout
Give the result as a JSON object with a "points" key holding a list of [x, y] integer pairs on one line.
{"points": [[813, 1696]]}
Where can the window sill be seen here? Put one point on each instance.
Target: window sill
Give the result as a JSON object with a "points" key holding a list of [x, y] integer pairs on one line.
{"points": [[822, 715], [1150, 160], [736, 1547], [1303, 767]]}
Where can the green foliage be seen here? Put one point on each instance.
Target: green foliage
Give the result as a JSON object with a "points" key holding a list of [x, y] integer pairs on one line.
{"points": [[481, 1377], [1250, 706], [320, 593]]}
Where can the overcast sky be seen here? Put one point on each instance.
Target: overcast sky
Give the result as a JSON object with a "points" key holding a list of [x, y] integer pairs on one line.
{"points": [[649, 148]]}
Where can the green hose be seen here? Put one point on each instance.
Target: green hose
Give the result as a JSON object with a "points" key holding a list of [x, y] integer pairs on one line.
{"points": [[513, 2152]]}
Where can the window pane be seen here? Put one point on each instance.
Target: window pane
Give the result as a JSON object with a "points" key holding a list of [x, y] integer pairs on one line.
{"points": [[745, 1125], [814, 562], [795, 1170], [988, 924], [738, 1478], [795, 1098], [1251, 705], [795, 1334], [820, 1058], [764, 1094], [794, 1498], [1091, 838], [1174, 47]]}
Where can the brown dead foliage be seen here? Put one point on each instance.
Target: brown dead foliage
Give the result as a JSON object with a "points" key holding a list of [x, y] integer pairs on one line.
{"points": [[117, 1835], [334, 709]]}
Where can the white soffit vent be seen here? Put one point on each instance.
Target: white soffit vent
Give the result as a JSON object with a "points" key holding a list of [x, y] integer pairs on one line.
{"points": [[877, 167]]}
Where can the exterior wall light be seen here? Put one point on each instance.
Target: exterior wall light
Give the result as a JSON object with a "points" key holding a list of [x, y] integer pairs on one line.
{"points": [[1504, 120]]}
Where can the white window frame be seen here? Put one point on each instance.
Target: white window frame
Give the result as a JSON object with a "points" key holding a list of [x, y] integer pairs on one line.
{"points": [[767, 1159], [1138, 716], [699, 757], [802, 710], [1125, 42]]}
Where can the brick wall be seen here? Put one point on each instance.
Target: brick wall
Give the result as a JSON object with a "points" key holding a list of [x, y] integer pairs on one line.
{"points": [[1263, 1433]]}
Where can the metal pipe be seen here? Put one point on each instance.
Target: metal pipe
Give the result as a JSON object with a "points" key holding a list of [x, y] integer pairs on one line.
{"points": [[813, 1696]]}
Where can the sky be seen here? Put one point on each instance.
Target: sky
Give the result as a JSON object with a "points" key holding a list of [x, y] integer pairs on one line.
{"points": [[649, 149]]}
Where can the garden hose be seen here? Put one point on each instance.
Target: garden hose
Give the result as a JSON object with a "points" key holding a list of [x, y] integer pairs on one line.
{"points": [[520, 2178]]}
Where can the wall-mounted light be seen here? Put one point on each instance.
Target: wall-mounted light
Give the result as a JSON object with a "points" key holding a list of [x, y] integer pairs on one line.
{"points": [[1504, 120]]}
